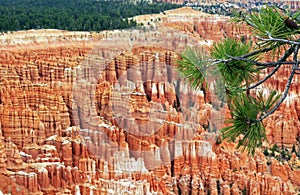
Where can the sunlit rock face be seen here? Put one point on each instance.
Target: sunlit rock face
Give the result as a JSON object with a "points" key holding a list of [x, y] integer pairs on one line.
{"points": [[107, 113]]}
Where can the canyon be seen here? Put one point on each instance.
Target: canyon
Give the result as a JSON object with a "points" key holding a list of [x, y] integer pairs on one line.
{"points": [[108, 113]]}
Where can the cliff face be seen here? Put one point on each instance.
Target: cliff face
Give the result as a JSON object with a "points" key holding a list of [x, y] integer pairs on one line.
{"points": [[108, 113]]}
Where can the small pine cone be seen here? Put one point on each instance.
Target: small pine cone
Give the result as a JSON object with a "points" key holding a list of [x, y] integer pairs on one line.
{"points": [[291, 23]]}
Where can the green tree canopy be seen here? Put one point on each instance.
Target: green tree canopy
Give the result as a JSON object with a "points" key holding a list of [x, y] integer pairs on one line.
{"points": [[79, 15]]}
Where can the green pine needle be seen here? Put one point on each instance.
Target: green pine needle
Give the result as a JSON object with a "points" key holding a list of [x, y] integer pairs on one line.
{"points": [[245, 122], [234, 71], [193, 67]]}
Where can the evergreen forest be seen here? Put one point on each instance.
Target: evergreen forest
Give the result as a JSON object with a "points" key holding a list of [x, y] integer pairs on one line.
{"points": [[77, 15]]}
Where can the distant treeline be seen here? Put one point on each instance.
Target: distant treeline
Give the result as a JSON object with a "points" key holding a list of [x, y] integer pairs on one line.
{"points": [[79, 15]]}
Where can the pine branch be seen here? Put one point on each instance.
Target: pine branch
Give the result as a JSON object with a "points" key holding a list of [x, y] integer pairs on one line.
{"points": [[246, 56], [269, 64], [266, 78], [239, 65], [215, 62], [264, 50], [271, 39], [287, 87], [282, 59]]}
